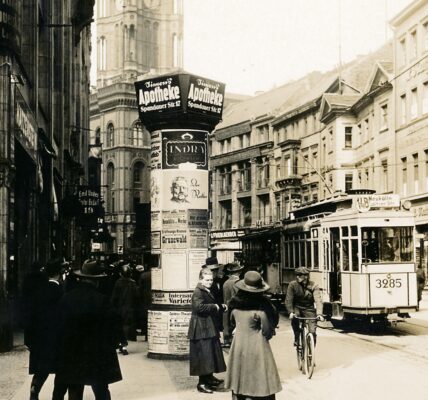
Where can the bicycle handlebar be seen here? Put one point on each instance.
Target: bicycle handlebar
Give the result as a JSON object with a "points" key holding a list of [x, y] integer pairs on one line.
{"points": [[307, 318]]}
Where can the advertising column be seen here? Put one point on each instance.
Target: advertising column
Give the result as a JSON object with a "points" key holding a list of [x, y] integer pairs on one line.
{"points": [[180, 111]]}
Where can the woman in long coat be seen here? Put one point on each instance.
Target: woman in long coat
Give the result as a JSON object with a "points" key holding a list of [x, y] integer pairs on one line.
{"points": [[252, 371], [206, 356]]}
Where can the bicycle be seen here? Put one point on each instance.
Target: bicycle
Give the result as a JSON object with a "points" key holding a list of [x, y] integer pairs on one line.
{"points": [[305, 348]]}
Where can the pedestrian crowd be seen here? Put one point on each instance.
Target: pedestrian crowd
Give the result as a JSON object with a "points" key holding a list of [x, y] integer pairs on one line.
{"points": [[75, 321]]}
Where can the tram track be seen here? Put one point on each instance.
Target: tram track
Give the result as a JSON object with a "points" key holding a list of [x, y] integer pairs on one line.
{"points": [[394, 330]]}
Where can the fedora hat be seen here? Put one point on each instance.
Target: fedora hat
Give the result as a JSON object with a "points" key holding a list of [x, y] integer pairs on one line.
{"points": [[233, 267], [252, 282], [211, 263], [91, 269]]}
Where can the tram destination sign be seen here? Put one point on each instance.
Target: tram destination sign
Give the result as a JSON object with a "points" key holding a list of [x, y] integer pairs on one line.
{"points": [[364, 203]]}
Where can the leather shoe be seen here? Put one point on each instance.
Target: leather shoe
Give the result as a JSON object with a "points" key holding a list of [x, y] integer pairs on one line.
{"points": [[203, 388], [215, 381]]}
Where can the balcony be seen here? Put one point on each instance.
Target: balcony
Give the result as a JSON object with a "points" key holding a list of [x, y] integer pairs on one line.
{"points": [[290, 181]]}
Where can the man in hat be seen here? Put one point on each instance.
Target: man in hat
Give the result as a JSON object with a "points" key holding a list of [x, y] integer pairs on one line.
{"points": [[303, 299], [233, 271], [89, 334]]}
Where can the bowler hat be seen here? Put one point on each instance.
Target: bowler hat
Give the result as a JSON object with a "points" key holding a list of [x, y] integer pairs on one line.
{"points": [[211, 263], [302, 271], [91, 269], [252, 282], [233, 267]]}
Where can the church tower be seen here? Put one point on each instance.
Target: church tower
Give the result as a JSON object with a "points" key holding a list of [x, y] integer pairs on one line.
{"points": [[134, 38]]}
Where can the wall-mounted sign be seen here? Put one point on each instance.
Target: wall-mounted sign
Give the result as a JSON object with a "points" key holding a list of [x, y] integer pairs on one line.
{"points": [[90, 208], [205, 95], [184, 146], [231, 234], [169, 298], [26, 126]]}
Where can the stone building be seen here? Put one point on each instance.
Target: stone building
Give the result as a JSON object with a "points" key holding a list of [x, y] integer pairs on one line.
{"points": [[134, 39], [44, 120]]}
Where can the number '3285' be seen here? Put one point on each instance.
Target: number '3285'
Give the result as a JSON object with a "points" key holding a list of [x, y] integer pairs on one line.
{"points": [[387, 283]]}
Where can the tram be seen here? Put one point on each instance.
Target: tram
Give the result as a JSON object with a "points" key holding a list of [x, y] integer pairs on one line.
{"points": [[362, 259]]}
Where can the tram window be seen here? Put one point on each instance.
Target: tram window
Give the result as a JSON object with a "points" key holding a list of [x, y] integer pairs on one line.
{"points": [[316, 255], [354, 231], [345, 254], [344, 231], [354, 253], [302, 254], [308, 254], [387, 244]]}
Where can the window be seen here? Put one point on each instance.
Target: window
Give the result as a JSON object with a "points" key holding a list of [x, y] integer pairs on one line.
{"points": [[425, 36], [414, 104], [384, 117], [403, 106], [244, 182], [366, 130], [416, 172], [385, 186], [245, 212], [348, 182], [102, 56], [425, 98], [226, 180], [97, 136], [413, 44], [110, 135], [140, 136], [426, 170], [402, 53], [137, 175], [225, 215], [404, 175], [348, 137], [110, 188]]}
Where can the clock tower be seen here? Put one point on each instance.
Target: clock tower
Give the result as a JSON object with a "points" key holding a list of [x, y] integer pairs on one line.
{"points": [[134, 38]]}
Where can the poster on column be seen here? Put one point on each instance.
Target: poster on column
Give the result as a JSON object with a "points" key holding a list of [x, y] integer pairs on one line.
{"points": [[174, 219], [185, 189], [155, 237], [196, 260], [156, 224], [174, 239], [156, 278], [174, 269], [156, 160], [168, 332], [155, 190], [198, 219], [198, 238], [184, 146]]}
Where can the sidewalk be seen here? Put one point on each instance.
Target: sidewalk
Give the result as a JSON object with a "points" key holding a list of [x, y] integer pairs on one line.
{"points": [[145, 378]]}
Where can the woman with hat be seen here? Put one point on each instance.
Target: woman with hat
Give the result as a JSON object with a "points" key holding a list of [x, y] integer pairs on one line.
{"points": [[255, 319], [206, 356]]}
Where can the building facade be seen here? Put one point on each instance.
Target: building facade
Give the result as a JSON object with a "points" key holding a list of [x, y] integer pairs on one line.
{"points": [[362, 127], [134, 39], [44, 92]]}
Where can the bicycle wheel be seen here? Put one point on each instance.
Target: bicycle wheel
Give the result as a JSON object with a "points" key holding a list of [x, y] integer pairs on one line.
{"points": [[310, 354], [303, 334]]}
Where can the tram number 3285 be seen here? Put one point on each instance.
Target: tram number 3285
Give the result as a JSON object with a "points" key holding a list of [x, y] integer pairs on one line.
{"points": [[388, 283]]}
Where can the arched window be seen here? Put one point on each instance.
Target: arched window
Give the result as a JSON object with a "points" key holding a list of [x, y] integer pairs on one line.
{"points": [[110, 187], [137, 134], [137, 175], [110, 135]]}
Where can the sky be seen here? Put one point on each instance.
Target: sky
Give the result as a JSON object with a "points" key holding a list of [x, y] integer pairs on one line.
{"points": [[255, 45]]}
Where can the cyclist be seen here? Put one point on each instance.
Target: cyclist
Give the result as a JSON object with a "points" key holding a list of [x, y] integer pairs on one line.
{"points": [[303, 300]]}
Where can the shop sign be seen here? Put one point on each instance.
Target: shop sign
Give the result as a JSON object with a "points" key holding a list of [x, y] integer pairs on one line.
{"points": [[364, 203], [89, 198], [205, 96], [421, 211], [184, 146], [232, 234], [27, 128]]}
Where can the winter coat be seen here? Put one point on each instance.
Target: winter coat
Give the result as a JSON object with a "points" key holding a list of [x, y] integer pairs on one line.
{"points": [[301, 297], [251, 368], [41, 327], [126, 301], [217, 292], [205, 351], [145, 286], [229, 290], [89, 333]]}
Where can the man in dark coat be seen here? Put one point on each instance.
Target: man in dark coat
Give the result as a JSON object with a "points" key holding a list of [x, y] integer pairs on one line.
{"points": [[145, 285], [126, 301], [41, 333], [216, 289], [89, 334]]}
